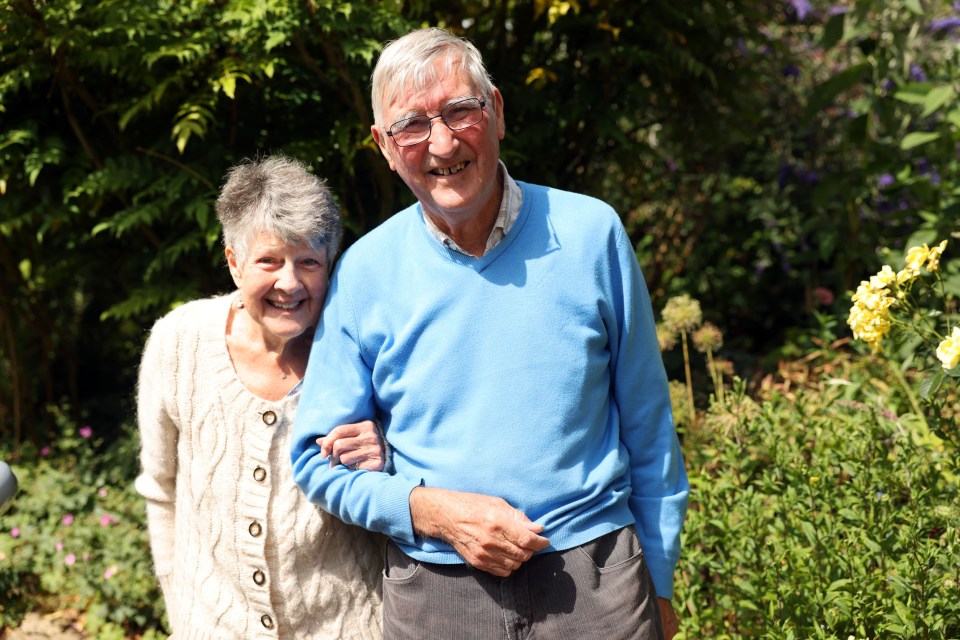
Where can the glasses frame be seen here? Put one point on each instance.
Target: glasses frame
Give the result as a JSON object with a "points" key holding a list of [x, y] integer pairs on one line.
{"points": [[430, 119]]}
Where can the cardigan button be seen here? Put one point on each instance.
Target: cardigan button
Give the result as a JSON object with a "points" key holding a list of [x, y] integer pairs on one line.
{"points": [[259, 474], [259, 578], [255, 529], [266, 621], [269, 418]]}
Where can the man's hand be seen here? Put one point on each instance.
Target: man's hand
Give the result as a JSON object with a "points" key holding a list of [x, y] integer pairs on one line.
{"points": [[487, 532], [668, 618], [356, 445]]}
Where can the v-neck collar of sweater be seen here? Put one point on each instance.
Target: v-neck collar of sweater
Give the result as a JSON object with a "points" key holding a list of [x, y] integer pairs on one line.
{"points": [[488, 258]]}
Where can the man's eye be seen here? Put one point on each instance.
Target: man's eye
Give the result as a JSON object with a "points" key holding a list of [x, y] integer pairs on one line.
{"points": [[412, 124]]}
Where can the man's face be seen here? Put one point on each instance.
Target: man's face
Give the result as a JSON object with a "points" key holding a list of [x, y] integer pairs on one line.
{"points": [[454, 173]]}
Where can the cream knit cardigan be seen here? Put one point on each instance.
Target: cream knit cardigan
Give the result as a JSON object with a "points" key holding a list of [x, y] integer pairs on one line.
{"points": [[238, 550]]}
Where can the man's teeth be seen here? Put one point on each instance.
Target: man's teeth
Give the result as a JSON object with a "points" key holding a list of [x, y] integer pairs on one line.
{"points": [[286, 307], [449, 171]]}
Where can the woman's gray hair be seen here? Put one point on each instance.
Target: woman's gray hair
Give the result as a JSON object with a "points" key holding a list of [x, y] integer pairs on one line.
{"points": [[408, 63], [278, 196]]}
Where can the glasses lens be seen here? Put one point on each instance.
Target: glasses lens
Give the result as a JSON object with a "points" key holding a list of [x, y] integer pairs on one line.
{"points": [[463, 114], [411, 130]]}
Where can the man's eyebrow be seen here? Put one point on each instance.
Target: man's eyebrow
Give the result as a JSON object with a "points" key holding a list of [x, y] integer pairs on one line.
{"points": [[413, 113]]}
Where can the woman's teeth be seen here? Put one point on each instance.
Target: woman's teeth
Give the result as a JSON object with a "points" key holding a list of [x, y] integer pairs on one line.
{"points": [[285, 307]]}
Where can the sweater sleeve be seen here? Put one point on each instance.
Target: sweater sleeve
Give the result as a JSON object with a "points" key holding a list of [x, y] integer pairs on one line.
{"points": [[159, 432], [338, 389], [660, 489]]}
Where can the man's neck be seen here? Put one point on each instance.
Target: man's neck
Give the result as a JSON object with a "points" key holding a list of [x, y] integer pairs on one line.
{"points": [[470, 232]]}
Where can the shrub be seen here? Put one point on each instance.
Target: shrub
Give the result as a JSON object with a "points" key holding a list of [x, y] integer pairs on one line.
{"points": [[815, 515], [76, 536]]}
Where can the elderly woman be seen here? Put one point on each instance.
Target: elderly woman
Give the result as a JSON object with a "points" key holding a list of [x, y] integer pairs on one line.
{"points": [[238, 550]]}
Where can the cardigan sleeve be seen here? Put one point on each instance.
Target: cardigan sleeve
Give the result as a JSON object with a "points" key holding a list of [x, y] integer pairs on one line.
{"points": [[158, 424], [659, 485]]}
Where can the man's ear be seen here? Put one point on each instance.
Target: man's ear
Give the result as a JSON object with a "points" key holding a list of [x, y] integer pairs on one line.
{"points": [[386, 147], [497, 105]]}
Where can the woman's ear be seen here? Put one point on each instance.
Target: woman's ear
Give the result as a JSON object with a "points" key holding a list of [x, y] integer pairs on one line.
{"points": [[235, 270]]}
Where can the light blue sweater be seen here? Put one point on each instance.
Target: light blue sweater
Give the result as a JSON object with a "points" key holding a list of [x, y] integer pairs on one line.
{"points": [[532, 374]]}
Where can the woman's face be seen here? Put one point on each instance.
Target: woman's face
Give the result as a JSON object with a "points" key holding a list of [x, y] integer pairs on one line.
{"points": [[282, 286]]}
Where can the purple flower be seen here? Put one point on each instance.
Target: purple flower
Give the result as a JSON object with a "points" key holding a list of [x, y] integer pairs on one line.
{"points": [[790, 71], [801, 7], [67, 520], [888, 85], [70, 560], [45, 452], [784, 174], [86, 432], [917, 74], [944, 25], [836, 10], [885, 180], [15, 532]]}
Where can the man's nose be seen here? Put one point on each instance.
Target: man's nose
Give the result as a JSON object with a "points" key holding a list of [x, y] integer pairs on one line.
{"points": [[443, 139]]}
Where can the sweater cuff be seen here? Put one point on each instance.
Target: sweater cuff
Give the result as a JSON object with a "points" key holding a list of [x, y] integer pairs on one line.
{"points": [[661, 570]]}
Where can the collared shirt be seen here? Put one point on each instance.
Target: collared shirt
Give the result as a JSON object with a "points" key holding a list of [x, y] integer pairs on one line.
{"points": [[509, 210]]}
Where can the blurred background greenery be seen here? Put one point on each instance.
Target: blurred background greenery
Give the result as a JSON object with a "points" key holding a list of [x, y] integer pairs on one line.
{"points": [[765, 156]]}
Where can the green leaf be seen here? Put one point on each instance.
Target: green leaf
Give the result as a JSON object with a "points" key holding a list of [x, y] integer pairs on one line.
{"points": [[826, 92], [936, 99], [914, 6], [275, 39], [954, 118], [833, 31], [930, 384], [914, 94], [918, 138]]}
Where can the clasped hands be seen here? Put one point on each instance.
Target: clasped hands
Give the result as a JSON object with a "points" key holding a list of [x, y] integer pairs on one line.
{"points": [[486, 531]]}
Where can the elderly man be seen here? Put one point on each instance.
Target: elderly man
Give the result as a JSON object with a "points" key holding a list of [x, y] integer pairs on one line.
{"points": [[503, 335]]}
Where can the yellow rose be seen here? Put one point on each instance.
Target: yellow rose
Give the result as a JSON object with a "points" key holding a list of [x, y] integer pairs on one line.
{"points": [[949, 350], [916, 256], [933, 260]]}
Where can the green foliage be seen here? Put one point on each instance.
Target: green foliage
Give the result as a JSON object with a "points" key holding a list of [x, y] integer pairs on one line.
{"points": [[815, 515], [76, 536]]}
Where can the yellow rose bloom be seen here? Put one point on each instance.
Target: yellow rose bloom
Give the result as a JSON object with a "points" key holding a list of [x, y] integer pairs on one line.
{"points": [[949, 350], [916, 256], [884, 278], [933, 260]]}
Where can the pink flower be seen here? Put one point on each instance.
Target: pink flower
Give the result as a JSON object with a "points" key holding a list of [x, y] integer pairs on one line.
{"points": [[102, 492], [86, 432], [822, 296], [107, 520], [110, 572], [59, 546], [70, 560], [45, 452], [15, 532], [67, 520]]}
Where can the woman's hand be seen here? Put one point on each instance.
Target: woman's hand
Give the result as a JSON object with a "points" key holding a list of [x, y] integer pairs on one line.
{"points": [[358, 445]]}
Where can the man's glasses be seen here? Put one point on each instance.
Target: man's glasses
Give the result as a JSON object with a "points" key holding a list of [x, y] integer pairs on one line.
{"points": [[456, 115]]}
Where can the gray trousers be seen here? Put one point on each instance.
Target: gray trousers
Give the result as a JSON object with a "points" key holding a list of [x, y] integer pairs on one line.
{"points": [[598, 590]]}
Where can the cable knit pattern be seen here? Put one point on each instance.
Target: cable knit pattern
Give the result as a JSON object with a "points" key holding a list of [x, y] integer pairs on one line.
{"points": [[238, 550]]}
